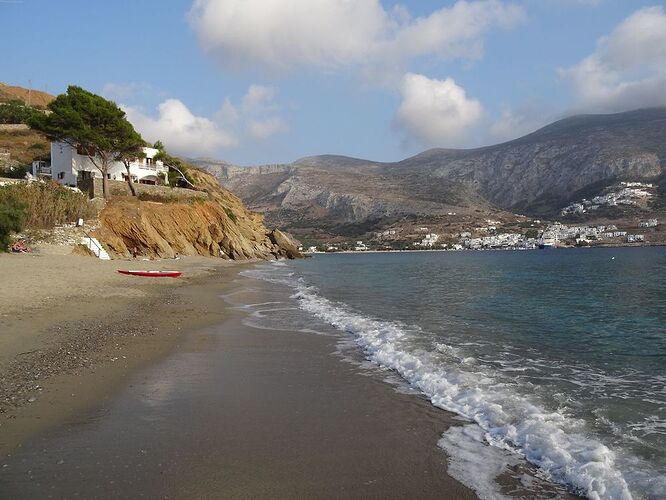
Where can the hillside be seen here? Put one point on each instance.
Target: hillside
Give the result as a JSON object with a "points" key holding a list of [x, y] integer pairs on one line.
{"points": [[31, 97], [22, 144], [219, 226], [536, 175]]}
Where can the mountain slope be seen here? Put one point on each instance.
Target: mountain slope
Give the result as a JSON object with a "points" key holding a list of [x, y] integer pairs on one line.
{"points": [[543, 171], [537, 175], [31, 97]]}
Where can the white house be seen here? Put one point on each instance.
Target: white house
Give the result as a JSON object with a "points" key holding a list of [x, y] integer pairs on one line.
{"points": [[649, 223], [41, 169], [430, 239], [68, 166], [360, 246]]}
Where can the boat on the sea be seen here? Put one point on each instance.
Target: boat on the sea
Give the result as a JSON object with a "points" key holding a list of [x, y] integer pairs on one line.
{"points": [[151, 274], [547, 243]]}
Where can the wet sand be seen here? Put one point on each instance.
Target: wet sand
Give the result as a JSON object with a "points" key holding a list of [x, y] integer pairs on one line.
{"points": [[73, 330], [234, 411]]}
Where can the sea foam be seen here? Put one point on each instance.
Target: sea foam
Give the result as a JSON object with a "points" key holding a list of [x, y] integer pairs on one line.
{"points": [[506, 422], [555, 443]]}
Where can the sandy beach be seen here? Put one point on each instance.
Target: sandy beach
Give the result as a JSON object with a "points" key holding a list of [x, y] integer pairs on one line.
{"points": [[115, 387], [73, 325]]}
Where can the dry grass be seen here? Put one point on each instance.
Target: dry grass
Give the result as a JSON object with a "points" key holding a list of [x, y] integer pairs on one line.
{"points": [[47, 204], [33, 97], [24, 145]]}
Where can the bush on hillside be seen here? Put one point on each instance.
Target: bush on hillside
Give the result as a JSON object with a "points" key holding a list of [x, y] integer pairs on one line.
{"points": [[47, 204], [14, 172], [178, 175], [12, 217], [15, 111]]}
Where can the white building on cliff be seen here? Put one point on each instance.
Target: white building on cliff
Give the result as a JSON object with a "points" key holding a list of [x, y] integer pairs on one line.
{"points": [[68, 165]]}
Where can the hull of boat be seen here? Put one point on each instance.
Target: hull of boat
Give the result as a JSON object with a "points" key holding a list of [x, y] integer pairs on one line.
{"points": [[151, 274]]}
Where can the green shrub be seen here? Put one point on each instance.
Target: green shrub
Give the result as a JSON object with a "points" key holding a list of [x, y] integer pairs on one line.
{"points": [[14, 172], [160, 197], [12, 216], [47, 204], [38, 146], [230, 213], [15, 111]]}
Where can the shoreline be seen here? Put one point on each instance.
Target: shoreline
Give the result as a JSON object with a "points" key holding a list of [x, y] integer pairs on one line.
{"points": [[201, 391], [573, 247], [273, 407]]}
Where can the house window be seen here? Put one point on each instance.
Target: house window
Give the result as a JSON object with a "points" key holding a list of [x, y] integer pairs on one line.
{"points": [[149, 161], [61, 175], [108, 176]]}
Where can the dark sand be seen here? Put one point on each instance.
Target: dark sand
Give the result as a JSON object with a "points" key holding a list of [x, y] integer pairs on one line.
{"points": [[237, 412]]}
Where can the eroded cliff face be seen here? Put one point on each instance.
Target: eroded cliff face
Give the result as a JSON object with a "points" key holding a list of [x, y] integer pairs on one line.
{"points": [[220, 226]]}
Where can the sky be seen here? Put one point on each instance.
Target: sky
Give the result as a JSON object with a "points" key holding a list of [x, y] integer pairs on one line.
{"points": [[270, 81]]}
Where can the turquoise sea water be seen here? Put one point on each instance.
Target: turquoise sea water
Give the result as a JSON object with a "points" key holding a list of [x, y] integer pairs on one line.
{"points": [[555, 356]]}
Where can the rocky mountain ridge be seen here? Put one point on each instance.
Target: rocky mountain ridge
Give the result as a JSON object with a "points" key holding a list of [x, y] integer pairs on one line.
{"points": [[536, 175]]}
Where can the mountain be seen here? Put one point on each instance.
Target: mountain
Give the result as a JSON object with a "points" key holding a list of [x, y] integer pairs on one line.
{"points": [[536, 175]]}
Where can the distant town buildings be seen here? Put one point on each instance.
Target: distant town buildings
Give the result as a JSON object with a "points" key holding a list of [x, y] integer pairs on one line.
{"points": [[360, 246], [429, 240], [625, 193], [504, 241], [520, 235], [649, 223]]}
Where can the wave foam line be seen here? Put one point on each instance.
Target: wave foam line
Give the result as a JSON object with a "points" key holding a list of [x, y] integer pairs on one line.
{"points": [[550, 440]]}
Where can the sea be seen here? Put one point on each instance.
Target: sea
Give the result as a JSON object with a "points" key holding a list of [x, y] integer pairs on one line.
{"points": [[553, 361]]}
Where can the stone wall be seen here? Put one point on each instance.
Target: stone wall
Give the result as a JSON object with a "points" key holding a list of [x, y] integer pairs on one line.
{"points": [[13, 126], [120, 188], [4, 181]]}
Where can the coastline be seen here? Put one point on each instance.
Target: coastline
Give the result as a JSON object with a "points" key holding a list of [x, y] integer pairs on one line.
{"points": [[573, 247], [253, 412]]}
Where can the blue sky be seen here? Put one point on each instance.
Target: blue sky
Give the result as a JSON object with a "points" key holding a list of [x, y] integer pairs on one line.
{"points": [[267, 81]]}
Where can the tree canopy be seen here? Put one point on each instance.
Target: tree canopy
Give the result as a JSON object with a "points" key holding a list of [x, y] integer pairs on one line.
{"points": [[177, 169], [16, 111], [91, 123]]}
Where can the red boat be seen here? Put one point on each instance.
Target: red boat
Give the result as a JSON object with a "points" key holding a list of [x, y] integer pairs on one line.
{"points": [[151, 274]]}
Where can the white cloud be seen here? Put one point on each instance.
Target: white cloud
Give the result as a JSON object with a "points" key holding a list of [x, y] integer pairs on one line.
{"points": [[255, 118], [180, 130], [258, 98], [259, 111], [263, 129], [628, 68], [454, 32], [228, 112], [517, 122], [334, 33], [436, 112]]}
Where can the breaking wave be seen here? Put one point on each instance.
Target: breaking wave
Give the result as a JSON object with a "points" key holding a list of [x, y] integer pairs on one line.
{"points": [[562, 447]]}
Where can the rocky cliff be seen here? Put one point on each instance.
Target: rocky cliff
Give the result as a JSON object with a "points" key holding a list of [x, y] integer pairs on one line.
{"points": [[218, 226], [537, 175]]}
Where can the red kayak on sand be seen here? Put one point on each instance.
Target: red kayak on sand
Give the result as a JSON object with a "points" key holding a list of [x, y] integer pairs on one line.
{"points": [[151, 274]]}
